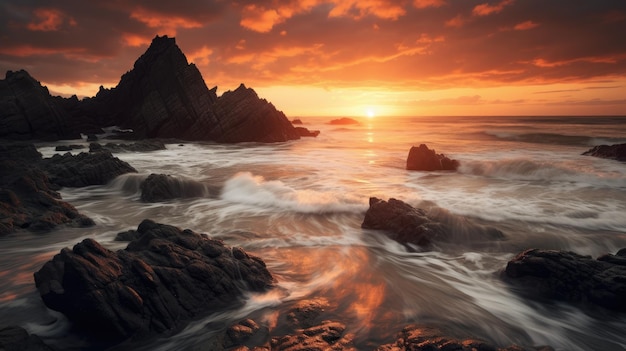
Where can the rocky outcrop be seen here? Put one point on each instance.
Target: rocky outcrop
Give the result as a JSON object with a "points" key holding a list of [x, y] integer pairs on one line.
{"points": [[162, 187], [27, 111], [17, 339], [420, 338], [304, 132], [343, 121], [409, 225], [139, 146], [155, 286], [615, 152], [296, 121], [94, 168], [27, 198], [243, 116], [567, 276], [421, 158]]}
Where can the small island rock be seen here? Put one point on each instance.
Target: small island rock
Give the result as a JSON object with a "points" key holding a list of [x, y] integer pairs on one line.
{"points": [[421, 158], [615, 152]]}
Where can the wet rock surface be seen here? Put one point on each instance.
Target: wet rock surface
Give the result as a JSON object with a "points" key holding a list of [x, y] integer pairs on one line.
{"points": [[615, 152], [155, 286], [568, 276], [409, 225], [163, 187], [94, 168], [421, 158]]}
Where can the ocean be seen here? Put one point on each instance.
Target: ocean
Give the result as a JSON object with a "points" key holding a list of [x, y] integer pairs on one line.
{"points": [[299, 206]]}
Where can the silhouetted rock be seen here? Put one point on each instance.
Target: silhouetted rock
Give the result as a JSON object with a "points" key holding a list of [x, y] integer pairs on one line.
{"points": [[27, 198], [68, 147], [424, 159], [138, 146], [161, 187], [154, 286], [567, 276], [329, 335], [17, 339], [94, 168], [616, 152], [409, 225], [296, 121], [416, 338], [243, 116], [303, 132], [27, 111], [92, 137], [343, 121]]}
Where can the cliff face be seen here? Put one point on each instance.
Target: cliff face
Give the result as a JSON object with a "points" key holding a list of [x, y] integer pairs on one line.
{"points": [[27, 111], [163, 96]]}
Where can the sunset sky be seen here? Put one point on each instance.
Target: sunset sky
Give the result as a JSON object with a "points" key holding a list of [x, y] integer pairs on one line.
{"points": [[343, 57]]}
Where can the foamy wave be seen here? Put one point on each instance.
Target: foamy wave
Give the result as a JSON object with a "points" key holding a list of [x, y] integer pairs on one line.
{"points": [[529, 170], [254, 190]]}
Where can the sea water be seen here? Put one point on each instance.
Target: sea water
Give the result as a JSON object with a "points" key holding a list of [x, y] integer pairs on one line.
{"points": [[299, 206]]}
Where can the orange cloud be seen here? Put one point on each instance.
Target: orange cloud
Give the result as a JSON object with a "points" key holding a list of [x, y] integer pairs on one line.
{"points": [[49, 20], [526, 25], [135, 40], [358, 9], [165, 23], [201, 57], [29, 50], [421, 4], [457, 21], [486, 9], [260, 19]]}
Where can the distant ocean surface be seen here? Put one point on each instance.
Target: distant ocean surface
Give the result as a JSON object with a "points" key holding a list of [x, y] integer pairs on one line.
{"points": [[299, 206]]}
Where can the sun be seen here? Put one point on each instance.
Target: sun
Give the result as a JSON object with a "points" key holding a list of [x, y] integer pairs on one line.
{"points": [[370, 113]]}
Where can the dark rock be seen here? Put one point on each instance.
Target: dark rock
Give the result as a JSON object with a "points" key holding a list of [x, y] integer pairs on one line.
{"points": [[616, 152], [27, 199], [247, 333], [17, 339], [161, 187], [409, 225], [296, 121], [329, 335], [416, 338], [424, 159], [128, 235], [305, 314], [139, 146], [27, 111], [343, 121], [94, 168], [154, 286], [243, 116], [303, 132], [92, 137], [567, 276], [68, 147]]}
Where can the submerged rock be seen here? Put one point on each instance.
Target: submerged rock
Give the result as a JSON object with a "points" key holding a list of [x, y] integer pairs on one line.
{"points": [[420, 338], [409, 225], [17, 339], [162, 187], [422, 158], [328, 335], [156, 285], [615, 152], [85, 168], [567, 276]]}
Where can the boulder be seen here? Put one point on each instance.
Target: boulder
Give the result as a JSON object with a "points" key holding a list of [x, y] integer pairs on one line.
{"points": [[155, 286], [328, 335], [162, 187], [343, 121], [27, 198], [303, 132], [420, 338], [306, 313], [422, 158], [28, 111], [409, 225], [568, 276], [94, 168], [15, 338], [615, 152]]}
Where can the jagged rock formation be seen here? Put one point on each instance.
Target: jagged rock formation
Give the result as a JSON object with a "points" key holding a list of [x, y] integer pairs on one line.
{"points": [[615, 152], [156, 285], [567, 276], [163, 96], [27, 111], [421, 158]]}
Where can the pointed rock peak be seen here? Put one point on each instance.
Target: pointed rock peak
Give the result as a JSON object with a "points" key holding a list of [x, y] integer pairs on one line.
{"points": [[18, 75], [161, 43], [241, 87]]}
